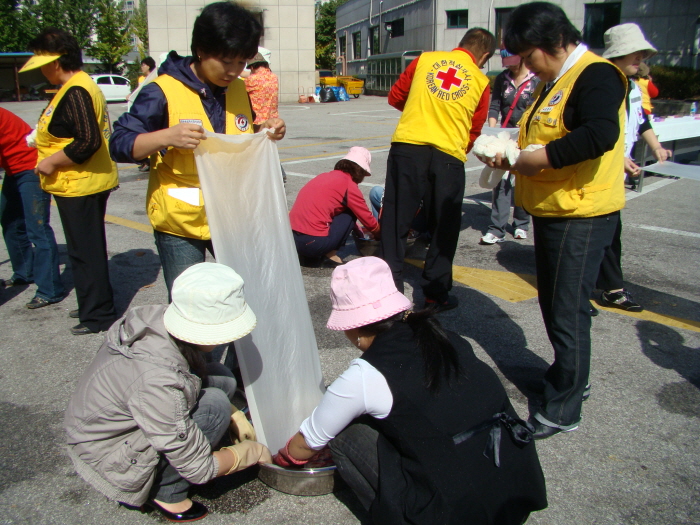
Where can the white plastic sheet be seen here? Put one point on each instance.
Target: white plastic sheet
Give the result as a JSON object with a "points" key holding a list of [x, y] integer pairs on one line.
{"points": [[247, 211]]}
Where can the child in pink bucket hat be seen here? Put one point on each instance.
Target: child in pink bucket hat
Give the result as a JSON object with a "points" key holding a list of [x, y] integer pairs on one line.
{"points": [[328, 206], [409, 423]]}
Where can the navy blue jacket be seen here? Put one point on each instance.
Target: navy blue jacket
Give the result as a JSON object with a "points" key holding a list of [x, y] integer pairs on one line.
{"points": [[149, 111]]}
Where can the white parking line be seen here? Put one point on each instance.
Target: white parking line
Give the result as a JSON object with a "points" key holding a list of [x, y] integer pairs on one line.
{"points": [[305, 176], [325, 158], [662, 230], [651, 187]]}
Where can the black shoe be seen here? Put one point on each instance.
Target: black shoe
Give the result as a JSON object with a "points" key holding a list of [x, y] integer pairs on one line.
{"points": [[74, 314], [81, 329], [543, 431], [442, 306], [594, 311], [37, 302], [622, 300], [196, 512], [6, 283]]}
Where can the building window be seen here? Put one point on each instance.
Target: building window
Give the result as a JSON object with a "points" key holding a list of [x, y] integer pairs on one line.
{"points": [[501, 21], [394, 28], [457, 19], [597, 19], [357, 45], [342, 45], [373, 41]]}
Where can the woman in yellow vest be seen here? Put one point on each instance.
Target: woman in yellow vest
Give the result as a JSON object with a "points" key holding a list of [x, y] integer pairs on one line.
{"points": [[169, 117], [75, 167], [572, 187]]}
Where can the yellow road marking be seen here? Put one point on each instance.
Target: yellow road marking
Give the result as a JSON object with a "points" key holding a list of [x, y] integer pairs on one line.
{"points": [[147, 228], [516, 287], [323, 155], [334, 142]]}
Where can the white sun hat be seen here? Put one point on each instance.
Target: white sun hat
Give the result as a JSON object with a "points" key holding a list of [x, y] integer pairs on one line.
{"points": [[625, 39], [208, 306]]}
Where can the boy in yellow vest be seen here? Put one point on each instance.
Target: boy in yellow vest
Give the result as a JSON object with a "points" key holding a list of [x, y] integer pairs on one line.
{"points": [[444, 98], [168, 119], [74, 166]]}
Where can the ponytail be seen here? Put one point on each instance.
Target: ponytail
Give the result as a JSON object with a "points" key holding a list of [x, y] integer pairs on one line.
{"points": [[439, 355]]}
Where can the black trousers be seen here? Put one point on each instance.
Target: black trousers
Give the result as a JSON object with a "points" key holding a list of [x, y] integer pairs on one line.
{"points": [[416, 173], [83, 220], [610, 275]]}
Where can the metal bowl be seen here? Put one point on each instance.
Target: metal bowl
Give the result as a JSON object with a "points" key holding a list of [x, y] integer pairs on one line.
{"points": [[299, 482]]}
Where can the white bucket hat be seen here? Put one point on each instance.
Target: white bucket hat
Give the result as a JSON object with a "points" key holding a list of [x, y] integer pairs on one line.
{"points": [[208, 306], [625, 39]]}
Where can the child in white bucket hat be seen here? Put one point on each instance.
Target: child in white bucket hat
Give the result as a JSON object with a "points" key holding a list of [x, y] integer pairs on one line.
{"points": [[148, 411], [408, 423], [328, 206], [626, 47]]}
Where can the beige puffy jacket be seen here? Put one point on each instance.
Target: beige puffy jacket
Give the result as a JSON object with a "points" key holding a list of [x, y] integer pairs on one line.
{"points": [[133, 404]]}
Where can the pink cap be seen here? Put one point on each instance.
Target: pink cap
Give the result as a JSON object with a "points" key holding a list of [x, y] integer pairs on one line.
{"points": [[363, 292], [512, 60], [360, 156]]}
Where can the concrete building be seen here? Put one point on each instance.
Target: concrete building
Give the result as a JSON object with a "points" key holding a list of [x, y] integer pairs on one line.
{"points": [[288, 33], [372, 35]]}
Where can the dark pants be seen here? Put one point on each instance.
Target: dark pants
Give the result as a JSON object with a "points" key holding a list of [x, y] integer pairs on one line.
{"points": [[179, 253], [29, 238], [83, 220], [502, 196], [610, 275], [212, 415], [416, 173], [314, 246], [568, 253], [355, 454]]}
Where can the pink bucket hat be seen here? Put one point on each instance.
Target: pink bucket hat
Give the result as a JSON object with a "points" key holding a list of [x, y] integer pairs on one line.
{"points": [[363, 292], [360, 156]]}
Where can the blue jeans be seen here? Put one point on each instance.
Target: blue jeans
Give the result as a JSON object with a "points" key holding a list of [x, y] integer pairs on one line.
{"points": [[314, 246], [30, 241], [568, 253], [500, 210], [212, 414], [177, 254]]}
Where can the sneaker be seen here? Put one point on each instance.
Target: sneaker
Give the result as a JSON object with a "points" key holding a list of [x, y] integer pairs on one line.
{"points": [[622, 300], [490, 238], [519, 234]]}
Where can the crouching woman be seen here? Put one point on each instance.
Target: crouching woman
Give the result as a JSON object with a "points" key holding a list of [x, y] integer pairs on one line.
{"points": [[140, 427], [419, 427]]}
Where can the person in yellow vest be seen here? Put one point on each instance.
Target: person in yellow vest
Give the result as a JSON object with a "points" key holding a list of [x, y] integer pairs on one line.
{"points": [[74, 166], [168, 119], [444, 98], [147, 65], [572, 187]]}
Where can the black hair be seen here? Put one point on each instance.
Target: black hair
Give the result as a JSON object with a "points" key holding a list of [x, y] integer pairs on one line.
{"points": [[150, 63], [479, 41], [541, 25], [225, 29], [439, 355], [353, 169], [193, 356], [53, 40]]}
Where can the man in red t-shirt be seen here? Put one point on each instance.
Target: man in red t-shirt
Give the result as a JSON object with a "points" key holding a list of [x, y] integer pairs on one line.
{"points": [[24, 216]]}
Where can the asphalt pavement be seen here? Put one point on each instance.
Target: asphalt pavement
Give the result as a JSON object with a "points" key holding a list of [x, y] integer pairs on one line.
{"points": [[634, 460]]}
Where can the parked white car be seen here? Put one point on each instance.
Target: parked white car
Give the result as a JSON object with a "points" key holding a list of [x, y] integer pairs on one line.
{"points": [[115, 88]]}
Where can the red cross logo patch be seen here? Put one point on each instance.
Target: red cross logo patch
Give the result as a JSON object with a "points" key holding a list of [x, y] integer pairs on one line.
{"points": [[448, 80]]}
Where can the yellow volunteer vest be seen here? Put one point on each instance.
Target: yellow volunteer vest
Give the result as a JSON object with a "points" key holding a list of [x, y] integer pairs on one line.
{"points": [[587, 189], [99, 172], [444, 94], [643, 84], [177, 168]]}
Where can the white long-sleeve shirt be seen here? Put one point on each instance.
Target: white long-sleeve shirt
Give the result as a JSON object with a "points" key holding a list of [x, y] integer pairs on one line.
{"points": [[361, 389]]}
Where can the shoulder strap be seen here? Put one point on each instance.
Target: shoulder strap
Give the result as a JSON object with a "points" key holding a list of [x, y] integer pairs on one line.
{"points": [[515, 101]]}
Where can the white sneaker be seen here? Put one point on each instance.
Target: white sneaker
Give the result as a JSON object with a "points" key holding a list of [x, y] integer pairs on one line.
{"points": [[490, 238], [519, 234]]}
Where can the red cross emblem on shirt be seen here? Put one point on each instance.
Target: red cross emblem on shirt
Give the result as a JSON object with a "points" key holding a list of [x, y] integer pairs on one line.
{"points": [[449, 79]]}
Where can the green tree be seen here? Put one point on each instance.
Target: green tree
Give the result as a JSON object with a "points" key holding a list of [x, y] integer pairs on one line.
{"points": [[9, 20], [139, 23], [80, 20], [325, 34], [112, 35]]}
